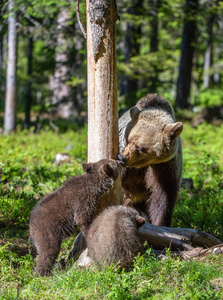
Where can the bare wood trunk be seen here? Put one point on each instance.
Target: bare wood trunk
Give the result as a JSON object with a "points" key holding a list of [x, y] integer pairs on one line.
{"points": [[9, 117], [102, 92], [103, 139]]}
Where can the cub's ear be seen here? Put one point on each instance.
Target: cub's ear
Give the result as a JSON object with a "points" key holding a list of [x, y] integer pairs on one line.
{"points": [[173, 130], [87, 167], [134, 113], [108, 170], [140, 221]]}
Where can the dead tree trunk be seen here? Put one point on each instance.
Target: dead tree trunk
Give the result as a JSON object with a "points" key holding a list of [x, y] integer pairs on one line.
{"points": [[182, 239], [102, 80], [103, 139], [9, 117]]}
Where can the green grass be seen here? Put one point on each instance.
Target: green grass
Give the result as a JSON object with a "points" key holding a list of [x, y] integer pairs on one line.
{"points": [[148, 279], [27, 173]]}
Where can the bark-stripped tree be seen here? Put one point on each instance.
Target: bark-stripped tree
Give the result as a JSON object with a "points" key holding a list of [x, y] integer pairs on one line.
{"points": [[9, 117], [103, 139], [102, 80]]}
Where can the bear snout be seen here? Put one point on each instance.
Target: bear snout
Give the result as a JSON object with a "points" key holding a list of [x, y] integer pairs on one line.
{"points": [[121, 158]]}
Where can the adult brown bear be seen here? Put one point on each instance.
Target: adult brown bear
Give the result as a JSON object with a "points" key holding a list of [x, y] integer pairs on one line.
{"points": [[150, 148]]}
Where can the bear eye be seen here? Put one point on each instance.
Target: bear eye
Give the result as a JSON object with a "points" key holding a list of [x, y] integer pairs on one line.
{"points": [[140, 149]]}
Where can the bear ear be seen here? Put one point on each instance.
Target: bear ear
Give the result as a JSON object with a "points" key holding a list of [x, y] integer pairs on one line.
{"points": [[87, 167], [108, 170], [140, 221], [173, 129], [134, 113]]}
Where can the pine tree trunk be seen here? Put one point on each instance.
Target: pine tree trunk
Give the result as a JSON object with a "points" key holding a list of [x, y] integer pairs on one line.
{"points": [[187, 52], [28, 100], [154, 23], [62, 91], [9, 117], [131, 47], [208, 53]]}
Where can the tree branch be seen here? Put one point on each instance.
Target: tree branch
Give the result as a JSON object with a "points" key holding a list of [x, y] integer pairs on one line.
{"points": [[79, 20]]}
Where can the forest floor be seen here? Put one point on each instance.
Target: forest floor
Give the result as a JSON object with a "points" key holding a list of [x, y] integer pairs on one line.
{"points": [[28, 172]]}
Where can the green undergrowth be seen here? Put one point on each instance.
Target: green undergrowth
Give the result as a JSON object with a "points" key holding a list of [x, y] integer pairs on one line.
{"points": [[202, 207], [148, 279], [27, 172]]}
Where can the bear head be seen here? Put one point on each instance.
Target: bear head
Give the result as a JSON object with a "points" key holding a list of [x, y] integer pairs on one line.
{"points": [[152, 140], [105, 168]]}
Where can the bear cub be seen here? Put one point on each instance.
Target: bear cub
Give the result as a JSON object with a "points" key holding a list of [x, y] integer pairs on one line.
{"points": [[114, 236], [57, 215], [150, 146]]}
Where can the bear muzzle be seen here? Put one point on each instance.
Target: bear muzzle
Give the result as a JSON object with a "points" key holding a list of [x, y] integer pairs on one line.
{"points": [[121, 158]]}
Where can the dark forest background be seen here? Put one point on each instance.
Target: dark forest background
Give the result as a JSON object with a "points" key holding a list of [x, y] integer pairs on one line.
{"points": [[173, 48]]}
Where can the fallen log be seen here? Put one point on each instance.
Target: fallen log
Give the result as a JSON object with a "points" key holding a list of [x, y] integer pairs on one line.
{"points": [[183, 242], [183, 239]]}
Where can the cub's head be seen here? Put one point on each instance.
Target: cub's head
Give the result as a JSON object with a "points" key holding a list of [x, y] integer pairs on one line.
{"points": [[105, 168], [152, 140]]}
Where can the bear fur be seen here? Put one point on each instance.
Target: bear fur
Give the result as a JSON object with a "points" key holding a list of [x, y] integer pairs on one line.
{"points": [[151, 151], [57, 215], [114, 236]]}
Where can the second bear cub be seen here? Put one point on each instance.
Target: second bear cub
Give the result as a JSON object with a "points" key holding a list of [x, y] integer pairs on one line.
{"points": [[114, 236], [57, 215]]}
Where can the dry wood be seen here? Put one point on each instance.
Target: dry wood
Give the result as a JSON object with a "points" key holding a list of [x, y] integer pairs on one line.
{"points": [[183, 239], [200, 253], [196, 253], [103, 139]]}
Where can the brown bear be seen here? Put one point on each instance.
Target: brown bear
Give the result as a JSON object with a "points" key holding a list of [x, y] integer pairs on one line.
{"points": [[151, 151], [114, 236], [57, 215]]}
